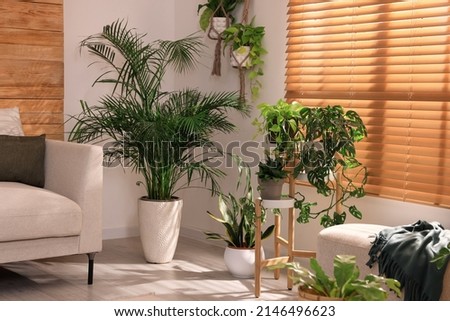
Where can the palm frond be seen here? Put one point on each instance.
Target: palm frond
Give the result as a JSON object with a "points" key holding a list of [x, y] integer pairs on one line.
{"points": [[154, 131], [183, 54]]}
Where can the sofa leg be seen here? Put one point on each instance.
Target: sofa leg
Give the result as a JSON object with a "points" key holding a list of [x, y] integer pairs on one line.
{"points": [[91, 267]]}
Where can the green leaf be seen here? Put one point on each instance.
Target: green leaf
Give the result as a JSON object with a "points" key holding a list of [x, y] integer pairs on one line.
{"points": [[267, 232], [275, 128], [216, 218], [216, 236], [355, 212], [442, 257], [358, 192], [367, 292], [324, 283], [223, 207], [339, 218], [205, 19], [393, 285], [345, 269]]}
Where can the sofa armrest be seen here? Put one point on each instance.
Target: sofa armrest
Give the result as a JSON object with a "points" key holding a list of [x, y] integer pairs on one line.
{"points": [[76, 171]]}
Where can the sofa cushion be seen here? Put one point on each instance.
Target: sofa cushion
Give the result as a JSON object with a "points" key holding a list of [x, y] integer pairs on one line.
{"points": [[23, 159], [28, 212]]}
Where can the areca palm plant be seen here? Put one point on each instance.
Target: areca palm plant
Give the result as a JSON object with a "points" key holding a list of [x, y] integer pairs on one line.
{"points": [[164, 135]]}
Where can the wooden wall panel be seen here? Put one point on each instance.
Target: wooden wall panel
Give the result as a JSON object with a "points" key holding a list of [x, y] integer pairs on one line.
{"points": [[34, 15], [32, 64]]}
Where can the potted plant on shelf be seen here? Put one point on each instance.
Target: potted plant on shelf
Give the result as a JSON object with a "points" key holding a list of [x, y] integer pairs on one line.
{"points": [[245, 41], [280, 123], [314, 284], [151, 130], [237, 215], [319, 145], [271, 175]]}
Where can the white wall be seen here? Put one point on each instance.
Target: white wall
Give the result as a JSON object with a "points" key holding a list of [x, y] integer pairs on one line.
{"points": [[83, 18], [179, 18]]}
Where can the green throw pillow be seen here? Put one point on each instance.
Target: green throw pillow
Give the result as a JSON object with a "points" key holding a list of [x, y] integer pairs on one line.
{"points": [[22, 159]]}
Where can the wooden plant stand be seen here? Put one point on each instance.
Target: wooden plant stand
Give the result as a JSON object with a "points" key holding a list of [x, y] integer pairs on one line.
{"points": [[279, 241]]}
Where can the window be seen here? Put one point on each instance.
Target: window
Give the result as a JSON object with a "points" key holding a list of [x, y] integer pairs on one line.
{"points": [[390, 62]]}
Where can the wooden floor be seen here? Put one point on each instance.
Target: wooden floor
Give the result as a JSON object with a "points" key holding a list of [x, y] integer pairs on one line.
{"points": [[121, 273]]}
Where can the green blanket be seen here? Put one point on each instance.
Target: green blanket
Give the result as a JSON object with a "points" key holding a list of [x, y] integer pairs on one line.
{"points": [[404, 253]]}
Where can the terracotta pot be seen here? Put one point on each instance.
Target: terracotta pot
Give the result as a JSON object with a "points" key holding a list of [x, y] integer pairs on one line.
{"points": [[271, 189]]}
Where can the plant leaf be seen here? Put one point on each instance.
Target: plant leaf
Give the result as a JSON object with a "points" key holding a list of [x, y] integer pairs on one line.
{"points": [[345, 269], [324, 283]]}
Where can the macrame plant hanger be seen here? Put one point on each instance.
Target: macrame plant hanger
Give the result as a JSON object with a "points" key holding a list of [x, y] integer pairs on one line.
{"points": [[241, 62], [215, 34]]}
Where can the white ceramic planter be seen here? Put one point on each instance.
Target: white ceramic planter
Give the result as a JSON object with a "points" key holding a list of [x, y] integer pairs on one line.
{"points": [[241, 261], [159, 226], [218, 25], [240, 57]]}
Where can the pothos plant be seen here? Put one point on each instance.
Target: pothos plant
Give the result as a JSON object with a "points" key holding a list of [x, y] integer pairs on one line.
{"points": [[320, 143], [240, 35], [280, 123]]}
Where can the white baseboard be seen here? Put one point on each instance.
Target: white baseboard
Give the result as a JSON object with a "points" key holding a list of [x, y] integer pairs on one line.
{"points": [[188, 232], [120, 232], [123, 232], [192, 233]]}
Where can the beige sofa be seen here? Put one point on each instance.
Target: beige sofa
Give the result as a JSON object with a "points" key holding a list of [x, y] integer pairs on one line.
{"points": [[356, 239], [64, 217]]}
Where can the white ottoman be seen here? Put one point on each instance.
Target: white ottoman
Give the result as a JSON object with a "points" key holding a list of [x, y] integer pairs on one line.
{"points": [[356, 239]]}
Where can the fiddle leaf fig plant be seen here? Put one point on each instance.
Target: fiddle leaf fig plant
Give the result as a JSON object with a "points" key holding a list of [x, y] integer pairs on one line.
{"points": [[345, 283]]}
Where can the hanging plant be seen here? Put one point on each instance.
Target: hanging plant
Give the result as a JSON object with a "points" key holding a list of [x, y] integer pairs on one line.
{"points": [[216, 8], [245, 41], [216, 17]]}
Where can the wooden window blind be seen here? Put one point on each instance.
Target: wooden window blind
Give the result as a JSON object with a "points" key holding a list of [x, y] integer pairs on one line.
{"points": [[390, 62]]}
